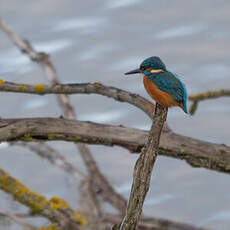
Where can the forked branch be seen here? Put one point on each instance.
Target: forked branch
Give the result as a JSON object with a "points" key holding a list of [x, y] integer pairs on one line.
{"points": [[196, 98]]}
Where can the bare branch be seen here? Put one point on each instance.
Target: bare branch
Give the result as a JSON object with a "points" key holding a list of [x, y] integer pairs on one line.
{"points": [[86, 88], [25, 47], [196, 98], [197, 153]]}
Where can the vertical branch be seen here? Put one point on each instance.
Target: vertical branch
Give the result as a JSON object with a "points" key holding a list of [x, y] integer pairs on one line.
{"points": [[143, 171]]}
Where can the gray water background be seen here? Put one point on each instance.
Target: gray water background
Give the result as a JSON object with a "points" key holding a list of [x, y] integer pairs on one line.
{"points": [[99, 40]]}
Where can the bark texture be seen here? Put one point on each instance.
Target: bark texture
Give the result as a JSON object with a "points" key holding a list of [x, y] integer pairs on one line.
{"points": [[143, 171], [195, 152]]}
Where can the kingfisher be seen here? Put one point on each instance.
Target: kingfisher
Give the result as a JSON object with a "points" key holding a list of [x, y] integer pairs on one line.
{"points": [[162, 85]]}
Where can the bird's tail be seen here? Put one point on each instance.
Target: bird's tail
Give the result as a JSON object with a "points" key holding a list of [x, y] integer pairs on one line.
{"points": [[181, 104]]}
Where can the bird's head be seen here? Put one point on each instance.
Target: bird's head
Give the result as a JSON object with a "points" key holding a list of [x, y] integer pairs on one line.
{"points": [[150, 65]]}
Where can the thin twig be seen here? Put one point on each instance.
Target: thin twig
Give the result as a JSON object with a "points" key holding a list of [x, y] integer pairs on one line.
{"points": [[196, 98]]}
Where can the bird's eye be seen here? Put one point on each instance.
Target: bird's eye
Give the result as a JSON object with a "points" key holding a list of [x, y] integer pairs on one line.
{"points": [[142, 68]]}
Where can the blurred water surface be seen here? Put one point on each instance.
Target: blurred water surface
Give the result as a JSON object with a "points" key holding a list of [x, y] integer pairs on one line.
{"points": [[98, 41]]}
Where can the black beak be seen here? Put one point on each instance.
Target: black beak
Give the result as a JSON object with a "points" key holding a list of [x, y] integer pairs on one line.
{"points": [[134, 71]]}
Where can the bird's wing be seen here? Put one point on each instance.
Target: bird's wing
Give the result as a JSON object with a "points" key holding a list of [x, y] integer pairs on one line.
{"points": [[167, 82]]}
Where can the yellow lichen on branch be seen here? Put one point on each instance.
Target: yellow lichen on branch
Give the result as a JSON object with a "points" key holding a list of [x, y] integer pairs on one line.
{"points": [[81, 219], [21, 193], [1, 82], [57, 203], [39, 88], [53, 136], [22, 88], [37, 203], [27, 137]]}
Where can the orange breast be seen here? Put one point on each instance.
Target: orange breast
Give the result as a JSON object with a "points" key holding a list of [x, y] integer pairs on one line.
{"points": [[161, 97]]}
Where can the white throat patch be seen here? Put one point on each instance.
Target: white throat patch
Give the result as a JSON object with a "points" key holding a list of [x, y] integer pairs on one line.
{"points": [[156, 71]]}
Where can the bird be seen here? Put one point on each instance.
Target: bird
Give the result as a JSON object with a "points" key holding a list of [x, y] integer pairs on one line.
{"points": [[162, 85]]}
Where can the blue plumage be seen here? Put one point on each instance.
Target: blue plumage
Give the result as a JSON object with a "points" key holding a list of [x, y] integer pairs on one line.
{"points": [[153, 62], [184, 91], [170, 83]]}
